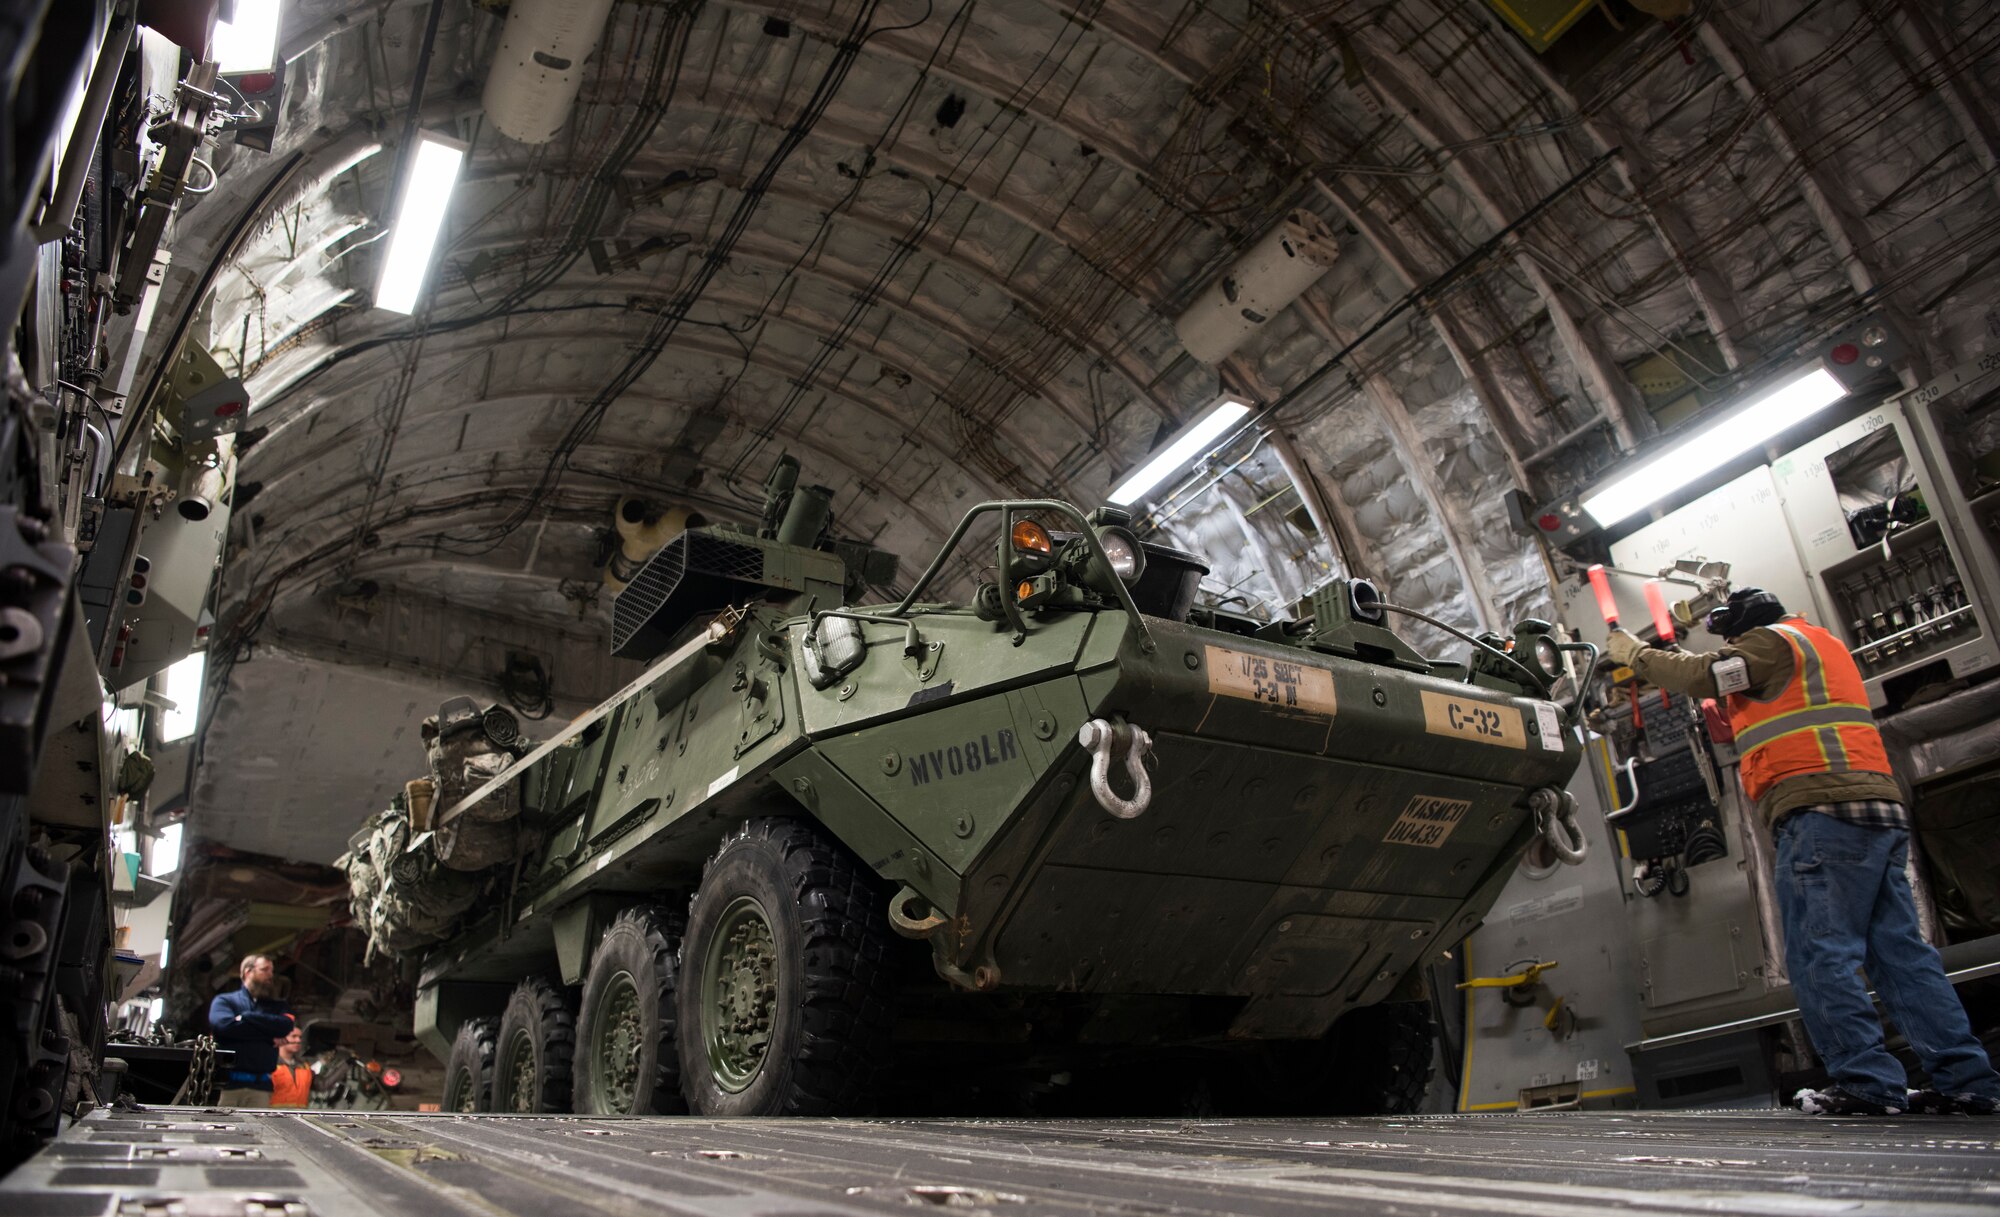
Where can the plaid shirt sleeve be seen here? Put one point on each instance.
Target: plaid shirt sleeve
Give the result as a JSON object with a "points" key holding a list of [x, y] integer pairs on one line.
{"points": [[1867, 813]]}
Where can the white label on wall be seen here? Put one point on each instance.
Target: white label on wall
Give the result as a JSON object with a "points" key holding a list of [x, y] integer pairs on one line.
{"points": [[1586, 1071]]}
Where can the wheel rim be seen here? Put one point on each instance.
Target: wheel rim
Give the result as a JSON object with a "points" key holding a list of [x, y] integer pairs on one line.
{"points": [[739, 990], [521, 1073], [464, 1095], [617, 1039]]}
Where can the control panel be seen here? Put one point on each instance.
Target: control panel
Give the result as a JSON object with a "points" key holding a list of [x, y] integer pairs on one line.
{"points": [[1891, 565]]}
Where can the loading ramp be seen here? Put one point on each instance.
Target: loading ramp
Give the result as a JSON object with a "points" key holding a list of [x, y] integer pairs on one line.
{"points": [[190, 1162]]}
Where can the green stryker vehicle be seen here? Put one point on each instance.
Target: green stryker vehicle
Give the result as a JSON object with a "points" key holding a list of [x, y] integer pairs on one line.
{"points": [[821, 858]]}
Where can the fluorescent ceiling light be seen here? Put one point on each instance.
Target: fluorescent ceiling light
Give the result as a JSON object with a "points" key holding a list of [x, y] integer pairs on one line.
{"points": [[249, 43], [419, 219], [182, 686], [1766, 416], [1205, 431]]}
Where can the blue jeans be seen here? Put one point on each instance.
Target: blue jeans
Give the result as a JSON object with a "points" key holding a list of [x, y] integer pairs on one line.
{"points": [[1846, 903]]}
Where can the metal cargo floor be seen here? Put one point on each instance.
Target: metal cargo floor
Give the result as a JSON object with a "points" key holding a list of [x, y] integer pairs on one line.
{"points": [[1570, 1164]]}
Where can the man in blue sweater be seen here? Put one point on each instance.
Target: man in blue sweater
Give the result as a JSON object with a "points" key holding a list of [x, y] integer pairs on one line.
{"points": [[249, 1021]]}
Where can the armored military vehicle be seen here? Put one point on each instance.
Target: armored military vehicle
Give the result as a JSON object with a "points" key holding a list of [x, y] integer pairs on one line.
{"points": [[820, 854]]}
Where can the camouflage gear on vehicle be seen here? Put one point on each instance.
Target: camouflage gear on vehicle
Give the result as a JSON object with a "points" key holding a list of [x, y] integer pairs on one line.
{"points": [[403, 899]]}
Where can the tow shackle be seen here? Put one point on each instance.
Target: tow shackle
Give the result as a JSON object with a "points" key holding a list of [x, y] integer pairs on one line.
{"points": [[1106, 741], [1555, 817]]}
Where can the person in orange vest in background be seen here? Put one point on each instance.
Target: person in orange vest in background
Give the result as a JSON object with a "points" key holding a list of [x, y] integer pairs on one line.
{"points": [[291, 1080], [1813, 763]]}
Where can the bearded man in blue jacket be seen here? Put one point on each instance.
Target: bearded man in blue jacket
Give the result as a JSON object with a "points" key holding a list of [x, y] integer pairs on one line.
{"points": [[249, 1021]]}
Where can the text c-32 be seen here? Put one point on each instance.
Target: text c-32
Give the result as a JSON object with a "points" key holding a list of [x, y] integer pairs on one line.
{"points": [[1478, 720]]}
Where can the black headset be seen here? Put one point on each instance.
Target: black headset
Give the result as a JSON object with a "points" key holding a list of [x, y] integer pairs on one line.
{"points": [[1748, 608]]}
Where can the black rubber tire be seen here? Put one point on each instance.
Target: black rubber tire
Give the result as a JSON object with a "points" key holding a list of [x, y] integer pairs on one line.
{"points": [[644, 943], [832, 946], [470, 1066], [1383, 1057], [538, 1020]]}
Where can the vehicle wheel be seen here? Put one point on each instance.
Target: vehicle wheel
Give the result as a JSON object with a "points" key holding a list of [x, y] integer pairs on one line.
{"points": [[531, 1064], [630, 1055], [1381, 1060], [785, 977], [468, 1074]]}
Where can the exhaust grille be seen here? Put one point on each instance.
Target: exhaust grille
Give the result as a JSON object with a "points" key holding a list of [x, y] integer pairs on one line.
{"points": [[696, 572]]}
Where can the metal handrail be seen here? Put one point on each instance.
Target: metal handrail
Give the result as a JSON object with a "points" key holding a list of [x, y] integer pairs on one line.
{"points": [[1631, 769], [1007, 508]]}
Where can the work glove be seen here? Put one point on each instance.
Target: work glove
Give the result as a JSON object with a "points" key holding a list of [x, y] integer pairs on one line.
{"points": [[1622, 647]]}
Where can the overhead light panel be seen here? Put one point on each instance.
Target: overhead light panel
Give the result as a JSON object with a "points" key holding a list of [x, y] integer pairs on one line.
{"points": [[1767, 415], [419, 220], [1190, 443], [181, 685], [249, 43]]}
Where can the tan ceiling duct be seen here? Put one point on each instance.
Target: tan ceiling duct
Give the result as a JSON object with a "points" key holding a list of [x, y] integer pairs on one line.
{"points": [[642, 529], [1257, 286], [539, 66], [199, 488]]}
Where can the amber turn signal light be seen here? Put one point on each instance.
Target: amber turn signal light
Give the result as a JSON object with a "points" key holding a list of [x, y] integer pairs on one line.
{"points": [[1031, 538]]}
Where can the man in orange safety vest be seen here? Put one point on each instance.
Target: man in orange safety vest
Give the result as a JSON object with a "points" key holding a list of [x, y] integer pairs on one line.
{"points": [[291, 1080], [1813, 762]]}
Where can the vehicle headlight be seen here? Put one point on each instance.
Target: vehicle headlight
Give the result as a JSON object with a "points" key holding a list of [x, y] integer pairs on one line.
{"points": [[1124, 560], [1547, 656], [1128, 561]]}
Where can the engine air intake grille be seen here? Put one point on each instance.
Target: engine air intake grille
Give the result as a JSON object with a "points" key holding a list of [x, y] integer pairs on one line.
{"points": [[696, 572]]}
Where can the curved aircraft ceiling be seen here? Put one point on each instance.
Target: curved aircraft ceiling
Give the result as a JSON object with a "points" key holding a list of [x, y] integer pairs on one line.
{"points": [[936, 248]]}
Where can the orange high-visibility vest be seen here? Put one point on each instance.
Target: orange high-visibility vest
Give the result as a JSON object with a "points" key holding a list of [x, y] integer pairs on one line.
{"points": [[1818, 723], [291, 1085]]}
